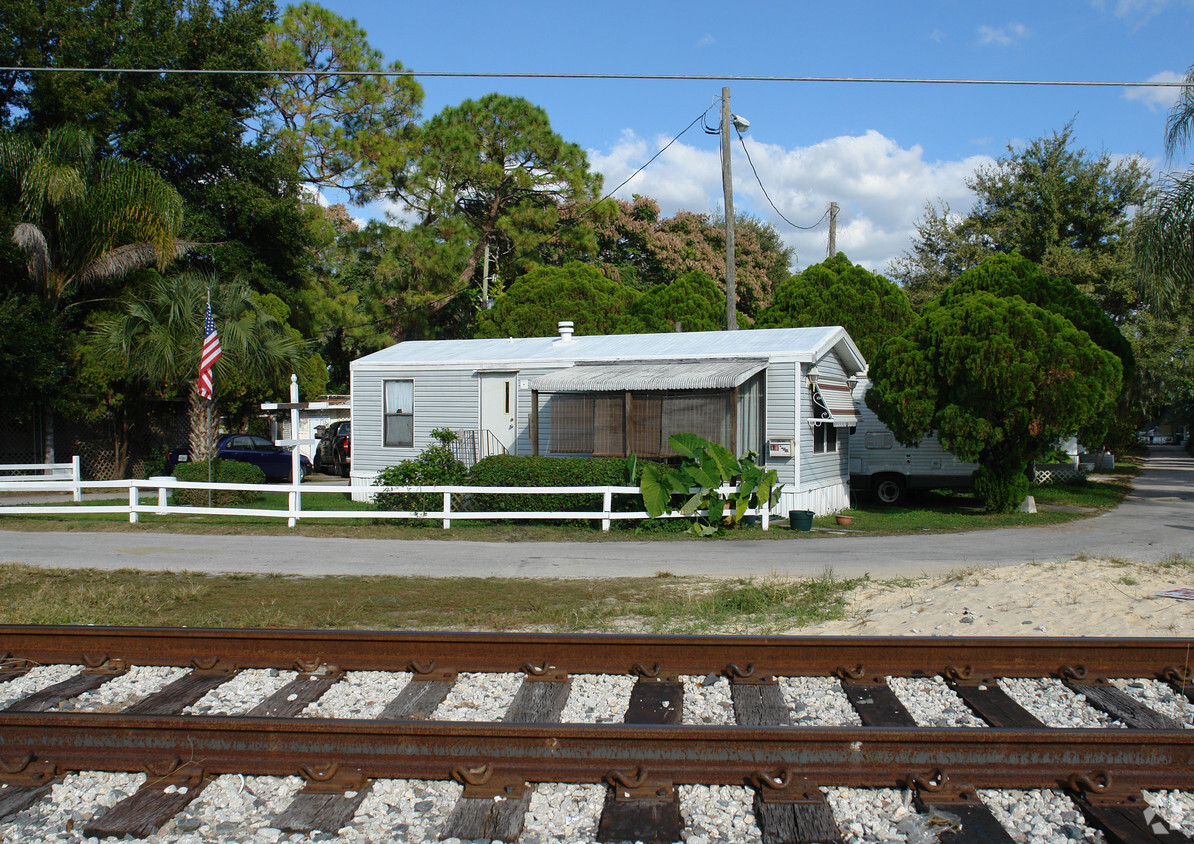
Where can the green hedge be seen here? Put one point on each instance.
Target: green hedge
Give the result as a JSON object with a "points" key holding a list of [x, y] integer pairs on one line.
{"points": [[222, 472], [508, 470]]}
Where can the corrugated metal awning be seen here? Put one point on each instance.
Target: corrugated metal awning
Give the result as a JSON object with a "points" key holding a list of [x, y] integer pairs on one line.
{"points": [[834, 397], [650, 375]]}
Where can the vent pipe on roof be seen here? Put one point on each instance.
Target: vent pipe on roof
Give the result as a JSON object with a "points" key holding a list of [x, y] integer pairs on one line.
{"points": [[566, 330]]}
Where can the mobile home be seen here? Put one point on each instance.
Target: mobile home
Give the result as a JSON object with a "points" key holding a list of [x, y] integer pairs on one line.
{"points": [[782, 393]]}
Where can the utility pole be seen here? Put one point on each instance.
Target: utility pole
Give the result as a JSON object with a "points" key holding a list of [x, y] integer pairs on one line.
{"points": [[727, 187], [485, 280], [832, 230]]}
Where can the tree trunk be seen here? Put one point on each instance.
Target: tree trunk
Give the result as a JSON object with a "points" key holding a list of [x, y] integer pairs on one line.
{"points": [[202, 438], [47, 434], [120, 445]]}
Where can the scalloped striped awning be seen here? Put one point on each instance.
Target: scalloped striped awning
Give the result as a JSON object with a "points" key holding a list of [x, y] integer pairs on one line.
{"points": [[649, 375], [834, 396]]}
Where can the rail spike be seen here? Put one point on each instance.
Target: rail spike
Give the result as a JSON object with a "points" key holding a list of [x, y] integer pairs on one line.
{"points": [[627, 781], [641, 670], [163, 768], [473, 776], [933, 783], [1098, 783], [15, 764], [319, 773], [1073, 672], [953, 672], [846, 673], [1182, 676]]}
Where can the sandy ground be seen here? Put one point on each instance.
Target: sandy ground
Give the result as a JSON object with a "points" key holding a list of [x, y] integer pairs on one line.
{"points": [[1076, 598]]}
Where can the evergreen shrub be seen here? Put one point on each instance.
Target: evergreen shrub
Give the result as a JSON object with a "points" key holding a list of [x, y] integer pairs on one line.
{"points": [[222, 472]]}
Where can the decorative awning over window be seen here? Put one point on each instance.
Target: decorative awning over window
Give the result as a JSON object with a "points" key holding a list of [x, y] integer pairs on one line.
{"points": [[833, 403], [649, 375]]}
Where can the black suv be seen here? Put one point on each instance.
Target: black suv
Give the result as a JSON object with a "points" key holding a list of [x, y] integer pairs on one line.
{"points": [[333, 454]]}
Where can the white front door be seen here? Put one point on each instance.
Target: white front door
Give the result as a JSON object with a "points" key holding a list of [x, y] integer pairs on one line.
{"points": [[499, 409]]}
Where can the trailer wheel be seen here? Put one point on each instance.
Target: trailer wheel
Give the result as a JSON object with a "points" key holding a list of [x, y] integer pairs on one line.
{"points": [[890, 490]]}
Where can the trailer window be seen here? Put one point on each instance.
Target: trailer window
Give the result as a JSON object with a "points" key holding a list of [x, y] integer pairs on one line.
{"points": [[399, 419], [880, 439], [824, 438]]}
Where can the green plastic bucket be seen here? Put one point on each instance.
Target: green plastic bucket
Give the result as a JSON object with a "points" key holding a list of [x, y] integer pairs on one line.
{"points": [[800, 519]]}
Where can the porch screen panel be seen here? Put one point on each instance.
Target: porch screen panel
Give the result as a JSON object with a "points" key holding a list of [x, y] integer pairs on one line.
{"points": [[646, 414], [705, 413], [608, 410], [571, 423], [750, 417]]}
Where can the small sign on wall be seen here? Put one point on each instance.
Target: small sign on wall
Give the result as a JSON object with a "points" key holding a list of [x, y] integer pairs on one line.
{"points": [[780, 446]]}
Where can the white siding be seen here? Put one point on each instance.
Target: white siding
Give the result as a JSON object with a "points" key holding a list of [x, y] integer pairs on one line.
{"points": [[781, 417]]}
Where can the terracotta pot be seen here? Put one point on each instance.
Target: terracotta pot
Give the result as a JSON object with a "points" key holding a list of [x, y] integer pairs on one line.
{"points": [[844, 520]]}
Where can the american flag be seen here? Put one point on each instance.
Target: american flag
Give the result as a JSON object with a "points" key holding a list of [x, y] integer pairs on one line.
{"points": [[211, 353]]}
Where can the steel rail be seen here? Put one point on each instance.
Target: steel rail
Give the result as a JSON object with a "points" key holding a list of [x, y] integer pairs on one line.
{"points": [[602, 654], [833, 756]]}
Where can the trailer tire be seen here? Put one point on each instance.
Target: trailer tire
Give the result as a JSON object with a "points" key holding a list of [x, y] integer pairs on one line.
{"points": [[890, 490]]}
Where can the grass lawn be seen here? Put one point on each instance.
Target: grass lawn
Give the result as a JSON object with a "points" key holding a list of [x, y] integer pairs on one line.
{"points": [[660, 604]]}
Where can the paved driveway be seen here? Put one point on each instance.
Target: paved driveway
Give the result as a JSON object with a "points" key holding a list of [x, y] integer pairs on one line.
{"points": [[1155, 523]]}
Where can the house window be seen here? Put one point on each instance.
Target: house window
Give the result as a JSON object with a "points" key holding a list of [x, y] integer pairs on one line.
{"points": [[399, 420], [824, 438]]}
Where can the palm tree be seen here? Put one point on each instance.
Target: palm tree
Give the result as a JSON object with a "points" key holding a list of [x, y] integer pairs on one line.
{"points": [[84, 219], [1165, 234], [157, 335]]}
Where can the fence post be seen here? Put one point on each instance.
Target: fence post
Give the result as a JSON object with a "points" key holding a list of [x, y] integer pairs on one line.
{"points": [[291, 503], [607, 504], [447, 510], [766, 508], [134, 500], [76, 475]]}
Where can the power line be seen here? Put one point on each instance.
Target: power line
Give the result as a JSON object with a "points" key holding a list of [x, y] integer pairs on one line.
{"points": [[742, 141], [879, 80]]}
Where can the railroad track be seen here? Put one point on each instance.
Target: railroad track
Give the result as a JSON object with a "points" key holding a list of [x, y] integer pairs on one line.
{"points": [[650, 738]]}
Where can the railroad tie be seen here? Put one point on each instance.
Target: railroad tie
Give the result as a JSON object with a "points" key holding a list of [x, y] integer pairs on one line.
{"points": [[784, 816], [495, 807], [23, 782], [638, 809], [956, 811], [991, 703], [290, 700], [427, 689], [327, 802], [177, 696], [875, 702], [87, 680], [1102, 695], [1120, 811], [142, 813]]}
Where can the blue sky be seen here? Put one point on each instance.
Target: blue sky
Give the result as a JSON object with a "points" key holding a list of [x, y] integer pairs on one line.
{"points": [[881, 151]]}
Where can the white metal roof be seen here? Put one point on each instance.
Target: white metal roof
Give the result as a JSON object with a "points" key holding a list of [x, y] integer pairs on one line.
{"points": [[797, 344], [650, 375]]}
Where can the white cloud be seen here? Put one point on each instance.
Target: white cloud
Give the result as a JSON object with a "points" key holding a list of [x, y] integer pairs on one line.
{"points": [[1138, 12], [1157, 98], [1003, 36], [881, 188], [707, 41], [937, 35]]}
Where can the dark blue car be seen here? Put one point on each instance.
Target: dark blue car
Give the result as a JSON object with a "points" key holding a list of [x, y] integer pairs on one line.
{"points": [[273, 460]]}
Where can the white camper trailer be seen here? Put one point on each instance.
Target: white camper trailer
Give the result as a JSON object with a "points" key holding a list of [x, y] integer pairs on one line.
{"points": [[881, 464]]}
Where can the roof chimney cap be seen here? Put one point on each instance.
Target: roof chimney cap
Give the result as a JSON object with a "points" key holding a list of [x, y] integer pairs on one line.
{"points": [[565, 329]]}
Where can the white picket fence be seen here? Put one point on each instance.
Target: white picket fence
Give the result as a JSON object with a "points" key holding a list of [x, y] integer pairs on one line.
{"points": [[158, 492]]}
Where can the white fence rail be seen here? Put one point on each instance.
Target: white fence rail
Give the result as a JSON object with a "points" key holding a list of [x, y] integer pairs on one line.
{"points": [[43, 473], [160, 505]]}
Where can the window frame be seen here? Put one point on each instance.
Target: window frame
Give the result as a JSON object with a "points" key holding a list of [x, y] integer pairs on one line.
{"points": [[388, 415]]}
